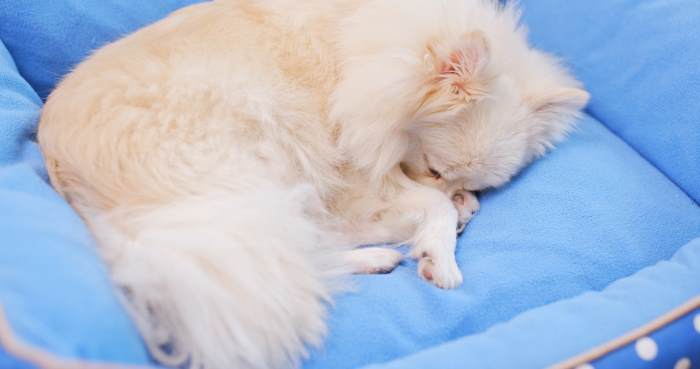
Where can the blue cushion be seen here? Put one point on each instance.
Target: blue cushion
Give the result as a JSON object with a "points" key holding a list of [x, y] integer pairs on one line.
{"points": [[640, 60], [551, 334], [590, 212], [675, 343], [48, 38], [55, 291]]}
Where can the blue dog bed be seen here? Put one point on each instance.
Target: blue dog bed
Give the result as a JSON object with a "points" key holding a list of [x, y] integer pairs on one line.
{"points": [[590, 258]]}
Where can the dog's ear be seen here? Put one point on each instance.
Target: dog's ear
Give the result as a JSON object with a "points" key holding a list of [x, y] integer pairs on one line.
{"points": [[468, 57], [558, 102], [552, 116], [459, 66]]}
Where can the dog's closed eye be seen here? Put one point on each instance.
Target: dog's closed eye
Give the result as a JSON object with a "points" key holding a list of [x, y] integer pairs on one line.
{"points": [[434, 173]]}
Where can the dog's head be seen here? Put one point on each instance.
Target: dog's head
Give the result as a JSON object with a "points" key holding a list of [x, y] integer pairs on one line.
{"points": [[450, 90], [480, 121]]}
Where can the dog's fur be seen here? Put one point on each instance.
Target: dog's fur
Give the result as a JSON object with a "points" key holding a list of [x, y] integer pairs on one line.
{"points": [[226, 157]]}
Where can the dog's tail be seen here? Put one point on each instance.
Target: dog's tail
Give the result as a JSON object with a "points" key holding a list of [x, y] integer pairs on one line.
{"points": [[223, 281]]}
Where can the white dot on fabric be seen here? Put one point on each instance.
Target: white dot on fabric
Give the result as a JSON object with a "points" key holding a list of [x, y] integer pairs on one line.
{"points": [[646, 348], [585, 366], [696, 323], [683, 363]]}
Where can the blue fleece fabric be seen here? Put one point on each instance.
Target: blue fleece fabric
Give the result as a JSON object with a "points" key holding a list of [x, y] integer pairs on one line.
{"points": [[47, 38], [590, 213], [544, 336], [640, 61], [53, 287]]}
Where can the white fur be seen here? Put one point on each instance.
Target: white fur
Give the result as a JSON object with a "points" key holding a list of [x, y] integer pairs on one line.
{"points": [[191, 271], [226, 157]]}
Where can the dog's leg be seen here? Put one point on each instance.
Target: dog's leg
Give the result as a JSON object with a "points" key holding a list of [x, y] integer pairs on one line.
{"points": [[372, 233], [435, 237], [416, 214], [372, 260]]}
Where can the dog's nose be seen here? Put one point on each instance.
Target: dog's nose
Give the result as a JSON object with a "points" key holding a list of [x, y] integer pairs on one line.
{"points": [[460, 227], [458, 199]]}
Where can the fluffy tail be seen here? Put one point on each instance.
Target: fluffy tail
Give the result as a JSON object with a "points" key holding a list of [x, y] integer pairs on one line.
{"points": [[223, 281]]}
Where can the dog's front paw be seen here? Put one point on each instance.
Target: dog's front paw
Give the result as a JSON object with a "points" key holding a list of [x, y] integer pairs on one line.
{"points": [[442, 272], [467, 205]]}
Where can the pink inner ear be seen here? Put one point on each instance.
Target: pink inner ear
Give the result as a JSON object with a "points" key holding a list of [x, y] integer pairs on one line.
{"points": [[462, 62], [455, 65], [469, 57], [448, 68]]}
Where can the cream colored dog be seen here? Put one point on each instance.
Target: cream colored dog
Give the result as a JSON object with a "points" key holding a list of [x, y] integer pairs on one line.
{"points": [[227, 157]]}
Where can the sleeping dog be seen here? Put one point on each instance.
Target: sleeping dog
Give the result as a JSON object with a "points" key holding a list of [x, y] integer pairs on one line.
{"points": [[229, 158]]}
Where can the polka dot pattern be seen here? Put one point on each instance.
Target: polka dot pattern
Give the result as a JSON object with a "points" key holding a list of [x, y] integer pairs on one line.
{"points": [[675, 345], [683, 363], [646, 349]]}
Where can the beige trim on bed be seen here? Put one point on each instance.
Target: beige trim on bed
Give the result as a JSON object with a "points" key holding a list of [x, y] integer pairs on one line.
{"points": [[43, 359], [628, 338]]}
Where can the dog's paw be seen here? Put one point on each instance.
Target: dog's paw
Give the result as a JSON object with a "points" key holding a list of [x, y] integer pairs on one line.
{"points": [[442, 272], [467, 205], [374, 260]]}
